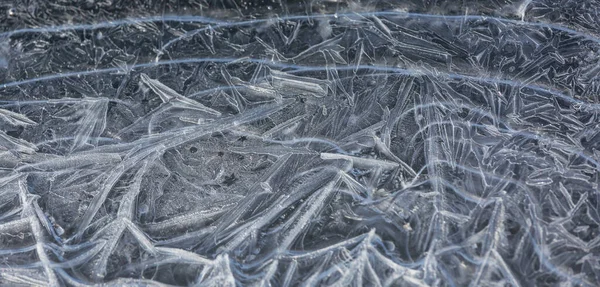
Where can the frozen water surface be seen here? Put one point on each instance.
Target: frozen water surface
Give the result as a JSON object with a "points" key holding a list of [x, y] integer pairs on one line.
{"points": [[299, 143]]}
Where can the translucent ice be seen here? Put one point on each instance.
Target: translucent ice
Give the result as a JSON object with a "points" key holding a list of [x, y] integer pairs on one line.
{"points": [[300, 143]]}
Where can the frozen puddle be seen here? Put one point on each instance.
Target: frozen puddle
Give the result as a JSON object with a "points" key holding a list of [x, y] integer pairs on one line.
{"points": [[338, 144]]}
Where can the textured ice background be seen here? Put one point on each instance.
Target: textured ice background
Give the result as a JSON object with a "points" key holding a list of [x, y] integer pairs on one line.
{"points": [[312, 143]]}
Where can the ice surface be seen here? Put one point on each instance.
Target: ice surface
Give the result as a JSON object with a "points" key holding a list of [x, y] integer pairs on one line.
{"points": [[300, 143]]}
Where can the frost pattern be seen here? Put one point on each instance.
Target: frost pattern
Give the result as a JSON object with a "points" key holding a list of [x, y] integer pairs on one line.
{"points": [[338, 143]]}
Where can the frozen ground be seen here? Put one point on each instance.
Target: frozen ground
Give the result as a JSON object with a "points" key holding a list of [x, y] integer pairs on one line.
{"points": [[323, 143]]}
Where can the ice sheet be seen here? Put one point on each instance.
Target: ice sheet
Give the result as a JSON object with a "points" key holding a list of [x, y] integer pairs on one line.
{"points": [[300, 143]]}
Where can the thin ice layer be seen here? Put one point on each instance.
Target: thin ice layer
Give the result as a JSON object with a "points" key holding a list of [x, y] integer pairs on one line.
{"points": [[222, 143]]}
